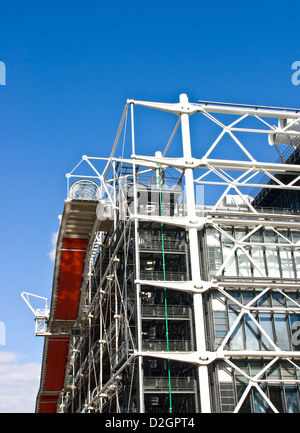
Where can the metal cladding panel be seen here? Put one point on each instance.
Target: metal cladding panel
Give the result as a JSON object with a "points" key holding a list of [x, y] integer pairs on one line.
{"points": [[70, 276], [56, 361], [76, 225], [48, 404]]}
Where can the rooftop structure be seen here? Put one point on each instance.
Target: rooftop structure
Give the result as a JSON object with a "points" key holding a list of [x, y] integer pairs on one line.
{"points": [[176, 287]]}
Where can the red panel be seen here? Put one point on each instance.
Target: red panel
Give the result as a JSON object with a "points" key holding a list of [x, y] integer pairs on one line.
{"points": [[57, 356], [48, 404], [70, 276], [47, 408], [76, 243]]}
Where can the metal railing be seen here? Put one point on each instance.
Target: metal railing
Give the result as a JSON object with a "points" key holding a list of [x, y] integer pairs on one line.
{"points": [[162, 383], [174, 345], [159, 275], [155, 243], [154, 310]]}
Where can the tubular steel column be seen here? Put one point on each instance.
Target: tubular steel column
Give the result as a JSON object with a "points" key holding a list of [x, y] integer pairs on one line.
{"points": [[195, 260], [137, 273]]}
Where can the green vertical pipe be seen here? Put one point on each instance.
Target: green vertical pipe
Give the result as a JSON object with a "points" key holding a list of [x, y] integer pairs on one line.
{"points": [[165, 290]]}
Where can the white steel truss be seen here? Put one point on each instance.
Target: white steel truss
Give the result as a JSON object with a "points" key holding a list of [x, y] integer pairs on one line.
{"points": [[109, 302]]}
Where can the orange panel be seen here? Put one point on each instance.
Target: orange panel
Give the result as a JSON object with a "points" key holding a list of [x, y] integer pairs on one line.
{"points": [[48, 404], [47, 408], [75, 243], [70, 276], [56, 361]]}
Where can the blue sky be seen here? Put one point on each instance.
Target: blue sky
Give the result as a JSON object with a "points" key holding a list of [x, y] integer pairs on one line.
{"points": [[70, 67]]}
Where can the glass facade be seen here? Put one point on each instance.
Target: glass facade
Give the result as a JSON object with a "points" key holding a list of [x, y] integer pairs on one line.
{"points": [[256, 320], [265, 252], [276, 386]]}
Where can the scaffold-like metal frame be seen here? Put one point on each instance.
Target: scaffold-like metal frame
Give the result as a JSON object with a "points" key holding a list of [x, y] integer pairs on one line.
{"points": [[109, 302]]}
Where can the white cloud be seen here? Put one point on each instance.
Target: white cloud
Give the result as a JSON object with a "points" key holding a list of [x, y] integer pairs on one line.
{"points": [[51, 253], [19, 384]]}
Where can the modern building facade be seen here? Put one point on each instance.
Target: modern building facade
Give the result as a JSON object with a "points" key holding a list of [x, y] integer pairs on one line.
{"points": [[169, 298]]}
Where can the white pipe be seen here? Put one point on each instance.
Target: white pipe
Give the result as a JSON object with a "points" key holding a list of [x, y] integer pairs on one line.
{"points": [[195, 260], [137, 271]]}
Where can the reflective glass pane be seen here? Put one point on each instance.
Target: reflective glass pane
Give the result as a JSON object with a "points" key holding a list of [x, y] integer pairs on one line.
{"points": [[229, 254], [281, 330], [244, 265], [257, 254], [272, 262], [296, 240], [265, 319], [286, 264], [236, 340], [251, 332], [276, 397], [258, 257], [292, 403], [260, 404]]}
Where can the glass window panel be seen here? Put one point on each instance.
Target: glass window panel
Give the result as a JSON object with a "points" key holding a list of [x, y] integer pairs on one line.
{"points": [[271, 254], [226, 238], [220, 326], [282, 239], [255, 367], [272, 373], [247, 297], [296, 240], [287, 371], [265, 319], [270, 236], [244, 265], [272, 262], [297, 262], [295, 237], [230, 268], [281, 330], [286, 263], [218, 302], [264, 300], [275, 395], [291, 397], [260, 404], [243, 366], [257, 254], [256, 237], [278, 300], [294, 318], [251, 331], [246, 406], [240, 233], [231, 304], [212, 237], [293, 297], [215, 259], [236, 340]]}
